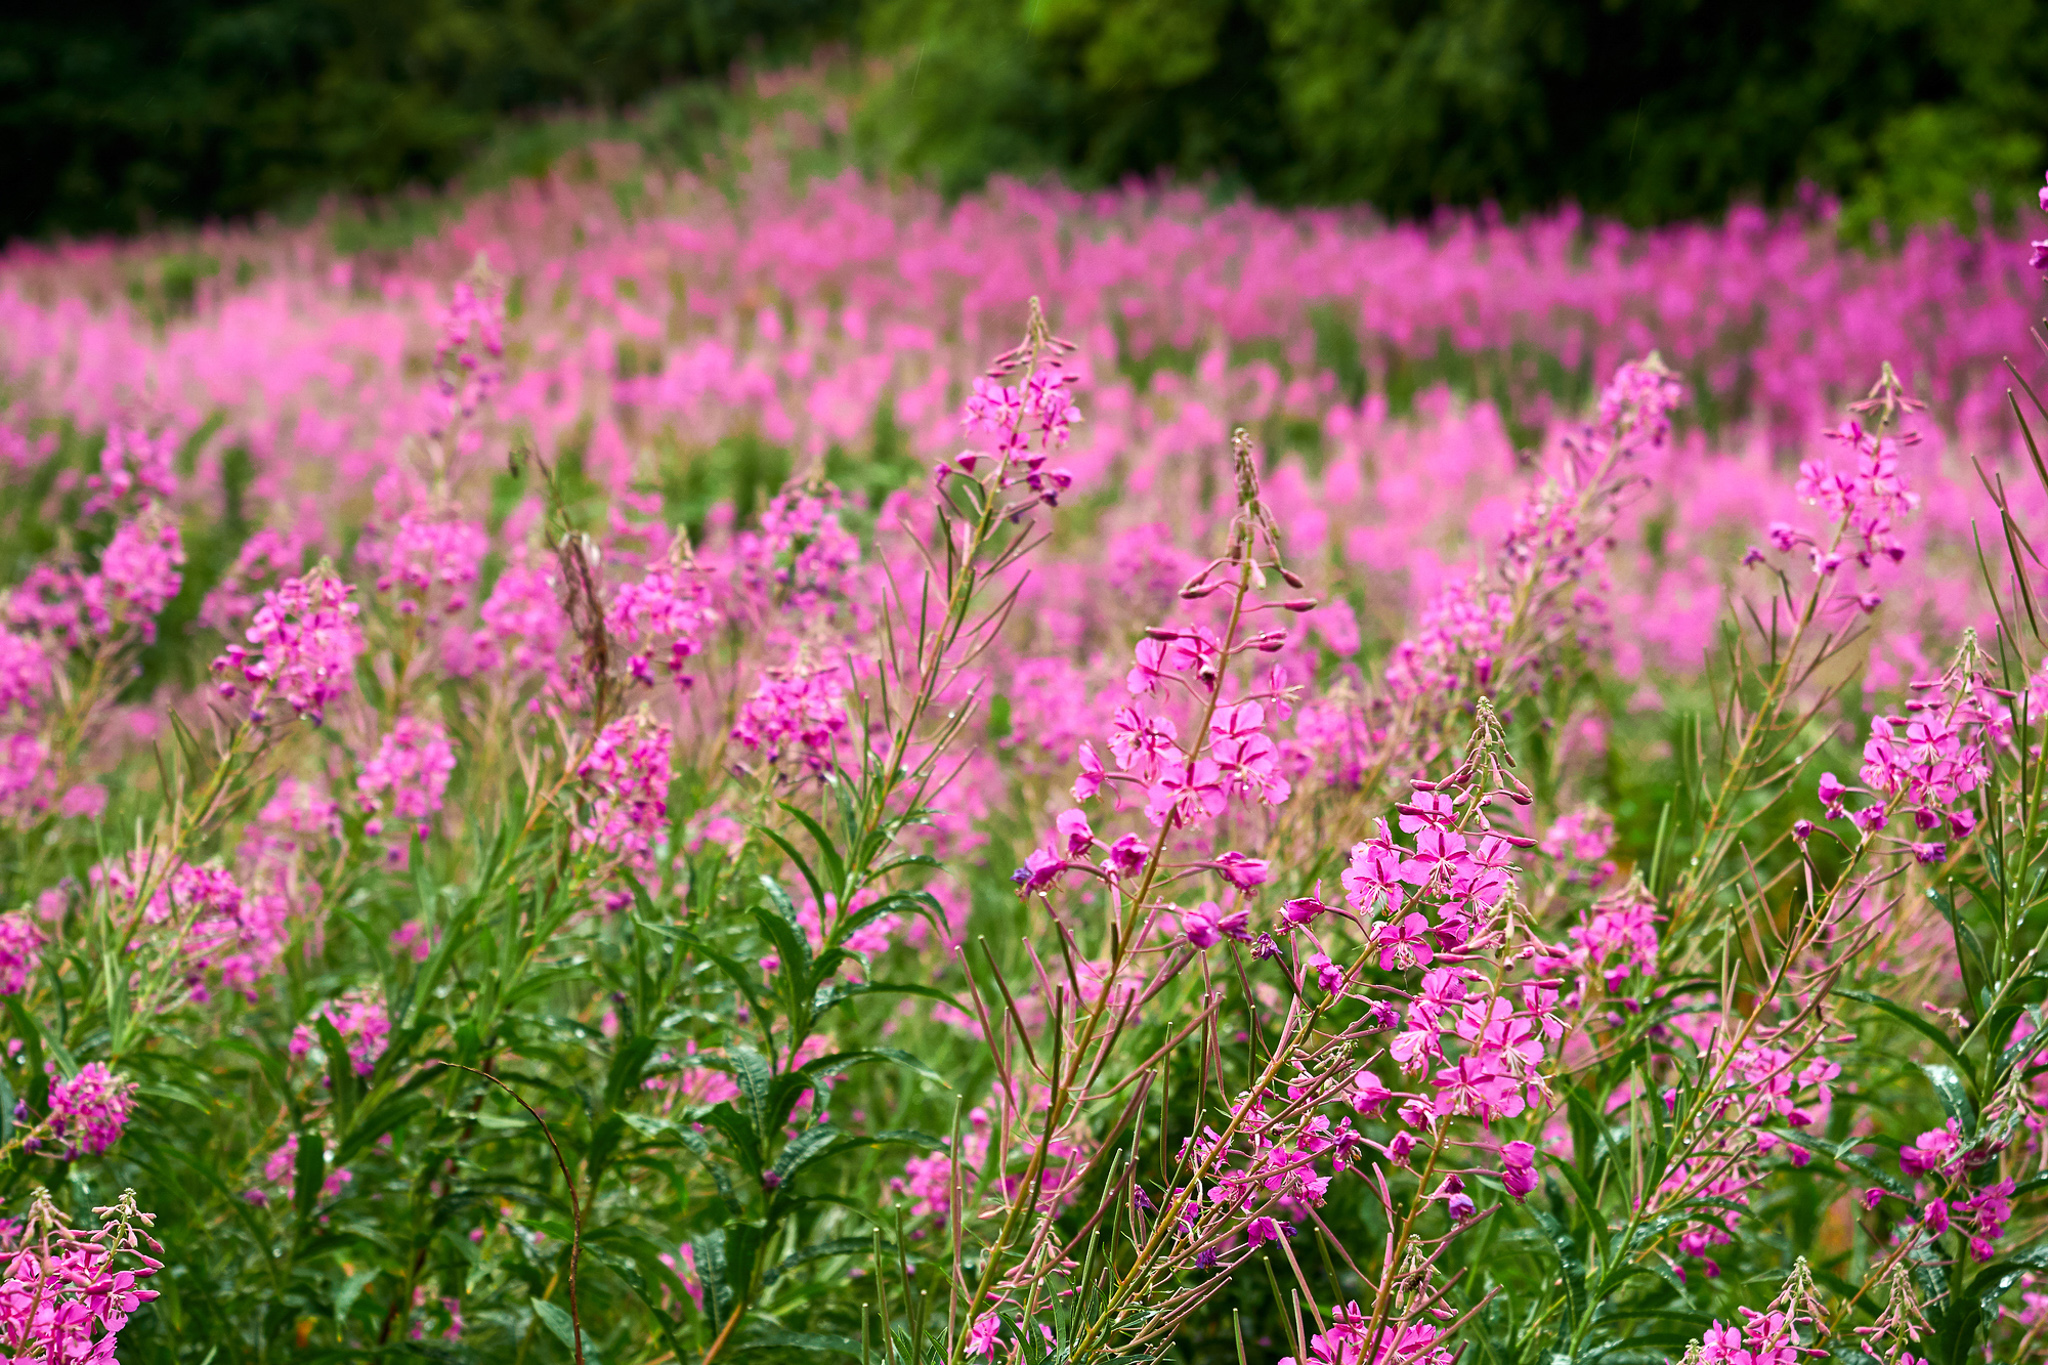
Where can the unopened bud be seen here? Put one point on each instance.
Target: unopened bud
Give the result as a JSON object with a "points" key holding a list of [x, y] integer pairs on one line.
{"points": [[1161, 633], [1294, 580], [1298, 604], [1272, 642]]}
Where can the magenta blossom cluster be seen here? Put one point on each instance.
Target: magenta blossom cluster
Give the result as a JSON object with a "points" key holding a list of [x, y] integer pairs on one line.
{"points": [[360, 1018], [24, 674], [266, 559], [301, 649], [800, 558], [429, 563], [625, 778], [137, 468], [407, 777], [89, 1110], [794, 720], [21, 951], [1349, 1342], [1022, 424], [62, 1297], [141, 570], [1926, 762], [662, 619], [200, 918], [521, 628], [2039, 258], [469, 354]]}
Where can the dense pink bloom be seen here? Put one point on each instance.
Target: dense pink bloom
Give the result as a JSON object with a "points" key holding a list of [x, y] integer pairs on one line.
{"points": [[408, 775], [795, 718], [265, 559], [304, 641], [89, 1110], [429, 563], [468, 357], [522, 627], [140, 571], [625, 779], [136, 468], [365, 1028], [61, 1296], [21, 945], [24, 673], [661, 620]]}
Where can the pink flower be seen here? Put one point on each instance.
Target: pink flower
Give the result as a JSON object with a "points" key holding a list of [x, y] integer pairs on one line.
{"points": [[21, 945], [408, 775], [1405, 944], [24, 673], [981, 1337], [1092, 774], [1932, 1150], [1242, 872], [305, 640], [1209, 924], [1266, 1229], [1072, 828], [1140, 743], [626, 778], [140, 571], [1518, 1168], [1042, 867], [795, 718], [1302, 910], [89, 1110], [1329, 976], [664, 616], [428, 564], [1127, 856], [264, 559], [1367, 1094]]}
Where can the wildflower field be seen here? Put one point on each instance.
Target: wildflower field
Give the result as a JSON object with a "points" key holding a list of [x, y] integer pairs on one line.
{"points": [[700, 768]]}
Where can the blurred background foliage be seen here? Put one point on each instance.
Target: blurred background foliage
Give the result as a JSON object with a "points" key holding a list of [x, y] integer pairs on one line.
{"points": [[119, 116]]}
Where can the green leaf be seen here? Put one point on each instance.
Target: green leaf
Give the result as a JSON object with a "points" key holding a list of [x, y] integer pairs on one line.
{"points": [[342, 1081], [835, 1062], [738, 974], [1918, 1023], [837, 1246], [802, 1341], [757, 1083], [710, 1258], [744, 1137], [1573, 1269], [351, 1290], [1954, 1096], [835, 867], [906, 902], [1969, 952], [815, 1144], [830, 996], [310, 1173], [558, 1321]]}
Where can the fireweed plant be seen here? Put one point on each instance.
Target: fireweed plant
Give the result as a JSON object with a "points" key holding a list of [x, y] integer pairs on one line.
{"points": [[1030, 894]]}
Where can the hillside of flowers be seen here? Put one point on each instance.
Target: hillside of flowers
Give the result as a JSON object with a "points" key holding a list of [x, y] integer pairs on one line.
{"points": [[736, 766]]}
